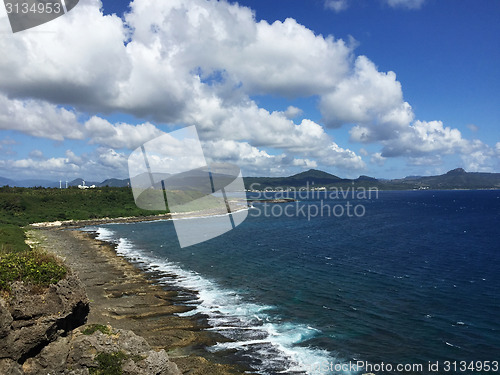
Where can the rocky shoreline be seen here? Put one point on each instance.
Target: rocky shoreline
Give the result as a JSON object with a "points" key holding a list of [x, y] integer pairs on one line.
{"points": [[117, 295]]}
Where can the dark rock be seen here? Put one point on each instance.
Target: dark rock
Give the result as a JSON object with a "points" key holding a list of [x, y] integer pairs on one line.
{"points": [[5, 321], [29, 321]]}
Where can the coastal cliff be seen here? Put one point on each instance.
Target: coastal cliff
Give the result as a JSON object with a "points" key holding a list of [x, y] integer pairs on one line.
{"points": [[42, 331]]}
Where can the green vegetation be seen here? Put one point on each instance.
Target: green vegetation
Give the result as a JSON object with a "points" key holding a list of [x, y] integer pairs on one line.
{"points": [[11, 239], [97, 327], [22, 206], [109, 364], [33, 266]]}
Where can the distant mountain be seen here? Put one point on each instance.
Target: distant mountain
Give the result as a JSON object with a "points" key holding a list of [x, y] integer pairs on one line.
{"points": [[366, 178], [311, 178], [6, 181], [35, 182], [455, 179], [115, 182], [28, 183], [80, 181]]}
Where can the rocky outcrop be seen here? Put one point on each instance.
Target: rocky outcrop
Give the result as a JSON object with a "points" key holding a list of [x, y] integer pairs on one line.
{"points": [[79, 352], [39, 334], [29, 320]]}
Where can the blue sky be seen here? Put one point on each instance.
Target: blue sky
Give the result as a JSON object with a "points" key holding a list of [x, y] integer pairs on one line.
{"points": [[386, 88]]}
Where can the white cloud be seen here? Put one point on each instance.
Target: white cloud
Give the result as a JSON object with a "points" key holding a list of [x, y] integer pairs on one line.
{"points": [[112, 159], [378, 159], [39, 119], [425, 143], [72, 158], [336, 5], [472, 127], [292, 112], [260, 128], [426, 161], [50, 166], [36, 154], [102, 163], [367, 96], [305, 163], [409, 4], [192, 62], [119, 135], [341, 5], [199, 62], [478, 161], [424, 137], [76, 59]]}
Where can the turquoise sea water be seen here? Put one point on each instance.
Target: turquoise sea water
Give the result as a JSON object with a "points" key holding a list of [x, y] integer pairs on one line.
{"points": [[414, 279]]}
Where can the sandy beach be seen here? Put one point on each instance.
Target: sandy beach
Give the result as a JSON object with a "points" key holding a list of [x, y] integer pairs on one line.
{"points": [[123, 296]]}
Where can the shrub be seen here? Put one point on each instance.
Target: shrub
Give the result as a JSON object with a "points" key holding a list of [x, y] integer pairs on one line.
{"points": [[34, 267], [109, 364], [97, 327]]}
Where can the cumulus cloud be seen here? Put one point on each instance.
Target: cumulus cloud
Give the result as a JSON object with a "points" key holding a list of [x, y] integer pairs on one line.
{"points": [[48, 166], [83, 66], [100, 164], [39, 118], [201, 62], [479, 161], [119, 135], [292, 112], [366, 96], [191, 62], [424, 137]]}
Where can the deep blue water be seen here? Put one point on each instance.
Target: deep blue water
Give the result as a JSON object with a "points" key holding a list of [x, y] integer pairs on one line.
{"points": [[415, 279]]}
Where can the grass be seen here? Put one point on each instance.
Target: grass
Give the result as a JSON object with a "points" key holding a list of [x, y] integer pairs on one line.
{"points": [[12, 239], [97, 327], [33, 266], [22, 206]]}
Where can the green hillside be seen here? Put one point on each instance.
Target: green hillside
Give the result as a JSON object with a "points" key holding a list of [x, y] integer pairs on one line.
{"points": [[23, 206]]}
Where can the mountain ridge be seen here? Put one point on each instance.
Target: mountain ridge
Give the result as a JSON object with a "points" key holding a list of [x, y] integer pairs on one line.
{"points": [[456, 178]]}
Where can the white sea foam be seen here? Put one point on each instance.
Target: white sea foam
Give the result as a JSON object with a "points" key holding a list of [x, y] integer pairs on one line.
{"points": [[257, 333]]}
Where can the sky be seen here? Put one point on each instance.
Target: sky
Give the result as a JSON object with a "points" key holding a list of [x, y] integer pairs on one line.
{"points": [[385, 88]]}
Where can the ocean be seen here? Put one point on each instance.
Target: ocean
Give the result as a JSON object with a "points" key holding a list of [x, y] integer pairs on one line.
{"points": [[393, 279]]}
